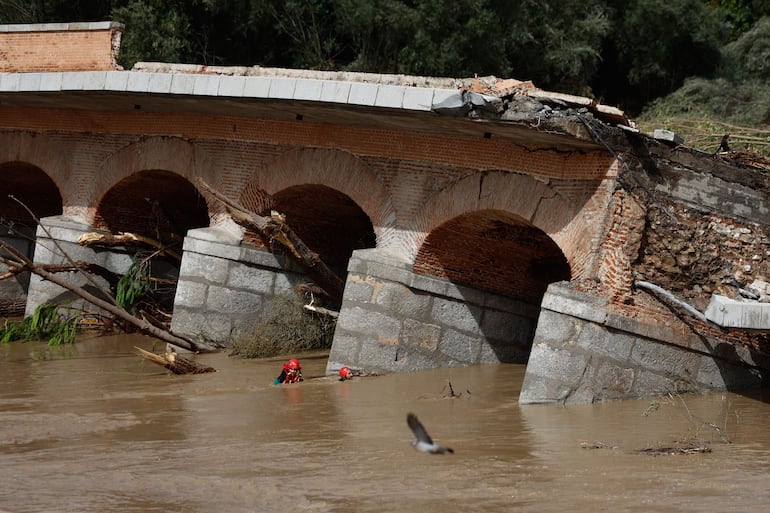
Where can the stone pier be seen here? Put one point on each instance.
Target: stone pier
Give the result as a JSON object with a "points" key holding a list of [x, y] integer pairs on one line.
{"points": [[582, 353], [394, 320], [57, 235], [225, 288]]}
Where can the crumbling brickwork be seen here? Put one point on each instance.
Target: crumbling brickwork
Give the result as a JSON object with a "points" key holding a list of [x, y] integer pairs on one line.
{"points": [[661, 236], [621, 246]]}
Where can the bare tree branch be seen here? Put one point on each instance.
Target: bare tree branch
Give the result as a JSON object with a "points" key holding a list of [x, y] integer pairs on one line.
{"points": [[275, 229], [19, 260]]}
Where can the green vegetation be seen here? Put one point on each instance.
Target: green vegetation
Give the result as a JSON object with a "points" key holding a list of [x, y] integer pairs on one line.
{"points": [[49, 322], [735, 102], [60, 324], [171, 39], [624, 52], [287, 328], [134, 285]]}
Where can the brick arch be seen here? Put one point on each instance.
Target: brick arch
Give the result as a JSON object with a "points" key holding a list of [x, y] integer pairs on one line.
{"points": [[47, 154], [334, 169], [533, 201], [170, 154], [155, 204], [31, 186], [496, 251]]}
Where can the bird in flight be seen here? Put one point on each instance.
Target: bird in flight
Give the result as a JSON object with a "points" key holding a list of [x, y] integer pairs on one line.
{"points": [[423, 442]]}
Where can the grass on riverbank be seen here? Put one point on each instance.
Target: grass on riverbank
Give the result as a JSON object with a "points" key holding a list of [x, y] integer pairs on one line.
{"points": [[47, 323], [704, 110]]}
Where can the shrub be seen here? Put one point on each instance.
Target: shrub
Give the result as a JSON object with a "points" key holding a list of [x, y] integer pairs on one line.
{"points": [[287, 328]]}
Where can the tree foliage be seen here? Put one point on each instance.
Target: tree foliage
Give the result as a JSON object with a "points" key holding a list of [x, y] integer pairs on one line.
{"points": [[733, 102], [169, 26], [748, 57], [459, 38], [374, 35], [625, 52], [558, 44], [740, 15]]}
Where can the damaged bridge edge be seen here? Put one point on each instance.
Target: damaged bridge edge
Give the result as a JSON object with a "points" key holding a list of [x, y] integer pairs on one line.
{"points": [[583, 353]]}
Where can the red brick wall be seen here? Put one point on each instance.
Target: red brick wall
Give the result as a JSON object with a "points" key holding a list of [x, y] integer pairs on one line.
{"points": [[455, 154], [409, 184], [60, 50], [626, 226]]}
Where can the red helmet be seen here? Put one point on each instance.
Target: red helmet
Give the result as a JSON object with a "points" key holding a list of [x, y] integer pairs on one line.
{"points": [[345, 372], [294, 364]]}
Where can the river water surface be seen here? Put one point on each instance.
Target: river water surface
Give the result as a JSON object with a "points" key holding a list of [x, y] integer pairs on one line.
{"points": [[95, 428]]}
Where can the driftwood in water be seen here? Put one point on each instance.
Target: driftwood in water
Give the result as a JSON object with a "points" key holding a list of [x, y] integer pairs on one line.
{"points": [[125, 239], [275, 229], [675, 449], [177, 364], [323, 311]]}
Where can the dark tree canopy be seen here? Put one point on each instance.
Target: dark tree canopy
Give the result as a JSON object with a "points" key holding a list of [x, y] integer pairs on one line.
{"points": [[625, 52]]}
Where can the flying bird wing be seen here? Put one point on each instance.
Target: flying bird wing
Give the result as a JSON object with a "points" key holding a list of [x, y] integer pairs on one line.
{"points": [[418, 429]]}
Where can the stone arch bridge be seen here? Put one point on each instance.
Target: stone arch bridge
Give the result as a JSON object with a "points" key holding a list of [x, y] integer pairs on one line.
{"points": [[448, 206]]}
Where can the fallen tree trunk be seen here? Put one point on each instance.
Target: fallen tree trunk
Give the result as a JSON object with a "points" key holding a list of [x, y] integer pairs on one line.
{"points": [[20, 261], [78, 266], [125, 239], [275, 229]]}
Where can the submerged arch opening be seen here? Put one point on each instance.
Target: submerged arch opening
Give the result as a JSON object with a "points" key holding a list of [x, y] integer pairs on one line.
{"points": [[328, 221], [161, 206], [36, 191], [494, 251]]}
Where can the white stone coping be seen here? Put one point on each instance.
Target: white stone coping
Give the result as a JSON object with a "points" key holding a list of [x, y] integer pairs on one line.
{"points": [[736, 313], [59, 27], [413, 98]]}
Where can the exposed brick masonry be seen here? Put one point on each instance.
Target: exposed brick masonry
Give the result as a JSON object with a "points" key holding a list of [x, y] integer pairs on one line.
{"points": [[60, 47], [471, 153]]}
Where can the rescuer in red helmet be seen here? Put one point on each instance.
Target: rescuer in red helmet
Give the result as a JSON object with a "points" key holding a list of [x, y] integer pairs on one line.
{"points": [[345, 373], [291, 372]]}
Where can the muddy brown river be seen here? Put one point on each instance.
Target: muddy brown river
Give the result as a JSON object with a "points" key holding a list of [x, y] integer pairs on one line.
{"points": [[95, 428]]}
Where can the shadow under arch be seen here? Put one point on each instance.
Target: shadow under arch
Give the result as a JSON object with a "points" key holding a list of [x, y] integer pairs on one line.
{"points": [[161, 206], [328, 221], [33, 188], [42, 152], [172, 155], [154, 203], [333, 170], [506, 234], [494, 251]]}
